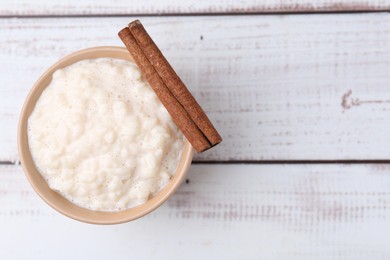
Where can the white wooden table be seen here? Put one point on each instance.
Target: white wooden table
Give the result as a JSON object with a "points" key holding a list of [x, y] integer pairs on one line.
{"points": [[300, 91]]}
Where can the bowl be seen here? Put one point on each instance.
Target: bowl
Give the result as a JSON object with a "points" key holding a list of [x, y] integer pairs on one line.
{"points": [[54, 199]]}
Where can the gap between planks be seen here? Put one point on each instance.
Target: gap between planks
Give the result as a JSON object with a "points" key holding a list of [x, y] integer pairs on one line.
{"points": [[340, 12], [191, 7], [265, 162]]}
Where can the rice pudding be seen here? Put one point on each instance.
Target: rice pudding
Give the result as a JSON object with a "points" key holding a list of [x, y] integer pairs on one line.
{"points": [[100, 136]]}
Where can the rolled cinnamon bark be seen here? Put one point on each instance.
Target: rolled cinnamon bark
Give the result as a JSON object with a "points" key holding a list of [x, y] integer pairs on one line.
{"points": [[175, 109], [173, 82]]}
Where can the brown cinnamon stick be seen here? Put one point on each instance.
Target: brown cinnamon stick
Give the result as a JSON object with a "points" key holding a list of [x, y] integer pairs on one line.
{"points": [[173, 82], [175, 109]]}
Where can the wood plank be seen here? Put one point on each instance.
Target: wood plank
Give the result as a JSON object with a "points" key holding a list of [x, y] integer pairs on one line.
{"points": [[310, 87], [225, 211], [123, 7]]}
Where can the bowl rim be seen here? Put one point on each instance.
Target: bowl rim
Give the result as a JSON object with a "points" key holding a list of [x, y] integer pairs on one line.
{"points": [[24, 151]]}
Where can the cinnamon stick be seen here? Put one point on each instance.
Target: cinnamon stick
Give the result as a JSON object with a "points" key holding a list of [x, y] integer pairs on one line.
{"points": [[173, 82], [175, 109]]}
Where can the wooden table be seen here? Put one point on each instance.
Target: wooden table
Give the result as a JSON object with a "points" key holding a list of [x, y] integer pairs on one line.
{"points": [[299, 90]]}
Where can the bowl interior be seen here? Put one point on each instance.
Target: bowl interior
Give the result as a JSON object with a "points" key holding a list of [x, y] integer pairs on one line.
{"points": [[54, 199]]}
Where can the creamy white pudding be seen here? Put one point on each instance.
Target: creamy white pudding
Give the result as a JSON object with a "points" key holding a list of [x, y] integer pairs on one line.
{"points": [[100, 136]]}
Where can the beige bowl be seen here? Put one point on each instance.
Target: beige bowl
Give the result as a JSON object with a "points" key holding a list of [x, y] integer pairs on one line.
{"points": [[54, 199]]}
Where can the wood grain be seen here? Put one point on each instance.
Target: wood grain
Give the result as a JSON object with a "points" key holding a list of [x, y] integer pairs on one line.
{"points": [[308, 87], [123, 7], [224, 211]]}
